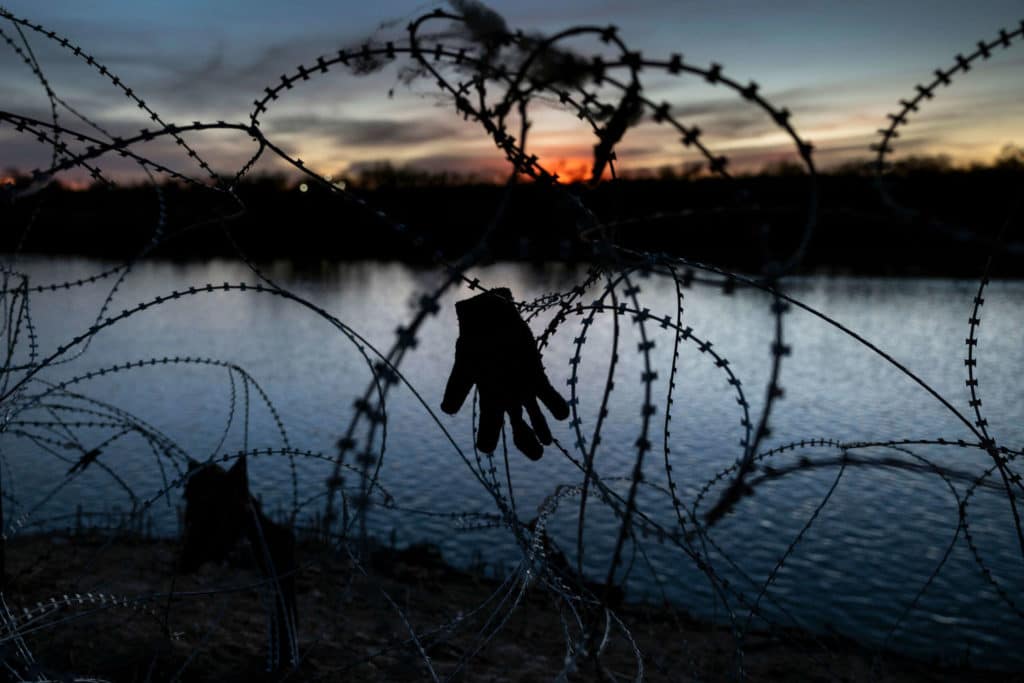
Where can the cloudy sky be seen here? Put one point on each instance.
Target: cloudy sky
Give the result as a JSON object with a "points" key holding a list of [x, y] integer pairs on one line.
{"points": [[840, 67]]}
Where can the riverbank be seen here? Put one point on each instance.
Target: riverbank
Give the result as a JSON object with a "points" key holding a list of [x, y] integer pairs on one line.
{"points": [[112, 627], [946, 229]]}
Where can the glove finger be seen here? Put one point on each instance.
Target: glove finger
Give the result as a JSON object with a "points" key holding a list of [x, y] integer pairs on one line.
{"points": [[490, 423], [540, 425], [460, 381], [553, 400], [523, 436]]}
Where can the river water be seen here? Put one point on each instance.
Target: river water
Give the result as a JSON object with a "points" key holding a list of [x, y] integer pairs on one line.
{"points": [[868, 552]]}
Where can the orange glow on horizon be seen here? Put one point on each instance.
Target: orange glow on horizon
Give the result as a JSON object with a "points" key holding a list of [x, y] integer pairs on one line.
{"points": [[76, 185], [573, 163], [569, 169]]}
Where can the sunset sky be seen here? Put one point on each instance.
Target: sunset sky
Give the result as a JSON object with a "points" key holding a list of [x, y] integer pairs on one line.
{"points": [[838, 66]]}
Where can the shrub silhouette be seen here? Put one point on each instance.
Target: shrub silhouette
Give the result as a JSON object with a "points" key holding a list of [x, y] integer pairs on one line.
{"points": [[219, 512]]}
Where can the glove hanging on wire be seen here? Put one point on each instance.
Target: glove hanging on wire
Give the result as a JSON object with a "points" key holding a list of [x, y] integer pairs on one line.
{"points": [[496, 351]]}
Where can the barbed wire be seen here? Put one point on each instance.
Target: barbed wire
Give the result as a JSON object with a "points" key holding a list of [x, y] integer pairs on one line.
{"points": [[491, 76]]}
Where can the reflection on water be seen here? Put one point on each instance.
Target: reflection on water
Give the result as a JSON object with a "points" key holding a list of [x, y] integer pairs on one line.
{"points": [[857, 567]]}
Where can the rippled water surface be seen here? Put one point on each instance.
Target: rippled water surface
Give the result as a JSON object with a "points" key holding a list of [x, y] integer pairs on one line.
{"points": [[866, 556]]}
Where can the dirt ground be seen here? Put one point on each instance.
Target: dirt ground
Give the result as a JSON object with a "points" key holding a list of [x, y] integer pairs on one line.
{"points": [[350, 629]]}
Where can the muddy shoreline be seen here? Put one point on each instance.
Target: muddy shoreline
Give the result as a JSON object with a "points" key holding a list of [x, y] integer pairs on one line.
{"points": [[98, 607]]}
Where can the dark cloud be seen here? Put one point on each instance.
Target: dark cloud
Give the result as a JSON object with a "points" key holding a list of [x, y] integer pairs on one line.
{"points": [[452, 163], [217, 75], [740, 124], [625, 150], [366, 132], [725, 117]]}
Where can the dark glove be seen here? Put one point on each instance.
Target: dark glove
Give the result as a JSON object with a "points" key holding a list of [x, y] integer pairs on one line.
{"points": [[496, 351]]}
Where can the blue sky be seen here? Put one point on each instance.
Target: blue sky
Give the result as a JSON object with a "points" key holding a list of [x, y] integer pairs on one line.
{"points": [[838, 66]]}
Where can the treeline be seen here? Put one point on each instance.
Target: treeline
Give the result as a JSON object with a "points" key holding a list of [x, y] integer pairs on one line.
{"points": [[951, 219]]}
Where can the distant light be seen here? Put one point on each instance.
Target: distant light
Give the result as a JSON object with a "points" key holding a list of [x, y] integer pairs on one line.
{"points": [[340, 184], [328, 178], [303, 187]]}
